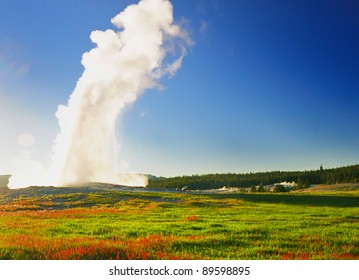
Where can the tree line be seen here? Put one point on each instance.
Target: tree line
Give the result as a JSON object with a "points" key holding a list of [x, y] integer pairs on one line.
{"points": [[347, 174]]}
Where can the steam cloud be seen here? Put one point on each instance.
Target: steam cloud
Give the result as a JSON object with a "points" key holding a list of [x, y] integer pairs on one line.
{"points": [[117, 71]]}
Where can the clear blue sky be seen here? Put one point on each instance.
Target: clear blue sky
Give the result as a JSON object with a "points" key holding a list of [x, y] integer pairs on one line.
{"points": [[267, 85]]}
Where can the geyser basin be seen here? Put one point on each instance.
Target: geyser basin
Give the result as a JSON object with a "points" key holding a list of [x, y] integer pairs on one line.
{"points": [[121, 67]]}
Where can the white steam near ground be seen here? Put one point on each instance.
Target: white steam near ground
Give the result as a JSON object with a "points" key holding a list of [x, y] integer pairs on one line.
{"points": [[119, 69]]}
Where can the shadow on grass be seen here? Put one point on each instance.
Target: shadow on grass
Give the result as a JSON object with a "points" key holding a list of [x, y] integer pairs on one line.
{"points": [[308, 200]]}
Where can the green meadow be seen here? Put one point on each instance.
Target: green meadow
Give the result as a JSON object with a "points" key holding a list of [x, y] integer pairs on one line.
{"points": [[108, 222]]}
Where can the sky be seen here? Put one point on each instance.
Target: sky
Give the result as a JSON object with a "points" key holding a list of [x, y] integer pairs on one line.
{"points": [[266, 85]]}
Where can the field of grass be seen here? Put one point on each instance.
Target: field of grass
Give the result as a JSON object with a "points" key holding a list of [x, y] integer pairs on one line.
{"points": [[106, 222]]}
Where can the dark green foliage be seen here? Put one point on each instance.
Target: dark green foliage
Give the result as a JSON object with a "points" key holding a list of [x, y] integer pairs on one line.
{"points": [[348, 174], [280, 188], [261, 188]]}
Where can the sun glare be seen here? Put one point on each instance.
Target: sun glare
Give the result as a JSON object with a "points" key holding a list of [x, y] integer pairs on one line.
{"points": [[26, 140]]}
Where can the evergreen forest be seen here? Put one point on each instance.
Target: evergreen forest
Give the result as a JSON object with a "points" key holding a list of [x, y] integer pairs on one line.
{"points": [[303, 179]]}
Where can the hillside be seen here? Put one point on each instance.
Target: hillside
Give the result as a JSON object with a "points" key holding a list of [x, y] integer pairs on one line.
{"points": [[333, 188]]}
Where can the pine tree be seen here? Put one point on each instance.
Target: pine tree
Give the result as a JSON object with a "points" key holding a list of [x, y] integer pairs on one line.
{"points": [[261, 188]]}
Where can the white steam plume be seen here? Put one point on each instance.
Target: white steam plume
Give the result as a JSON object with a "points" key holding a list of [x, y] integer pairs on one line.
{"points": [[117, 71]]}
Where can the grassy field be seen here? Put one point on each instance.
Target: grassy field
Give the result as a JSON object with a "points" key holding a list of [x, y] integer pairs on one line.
{"points": [[108, 222]]}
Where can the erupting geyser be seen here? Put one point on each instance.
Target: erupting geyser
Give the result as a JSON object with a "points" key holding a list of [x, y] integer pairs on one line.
{"points": [[117, 71]]}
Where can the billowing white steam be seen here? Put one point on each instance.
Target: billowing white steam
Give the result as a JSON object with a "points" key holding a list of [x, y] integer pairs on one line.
{"points": [[117, 71]]}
